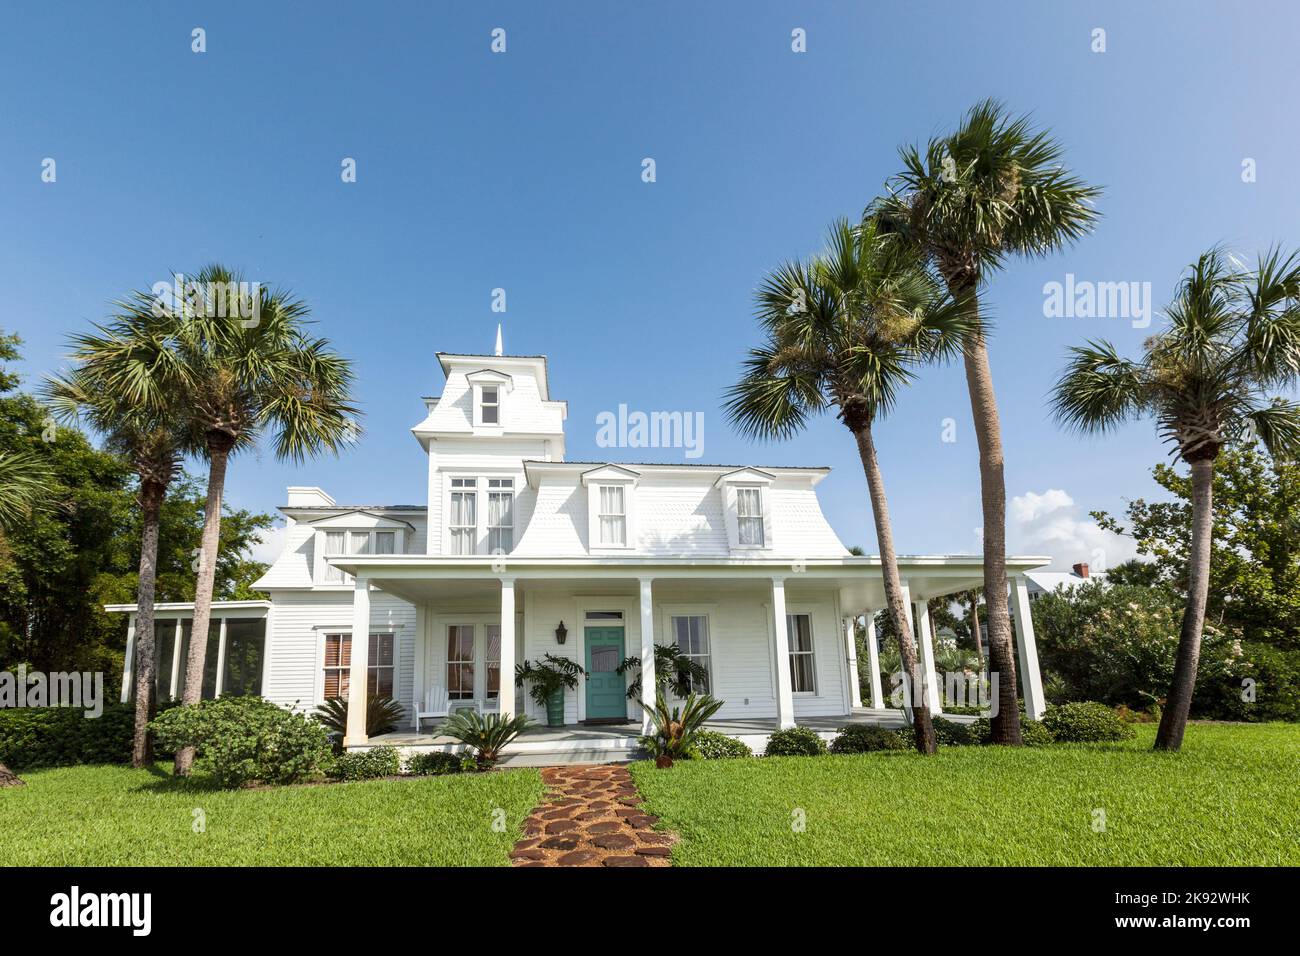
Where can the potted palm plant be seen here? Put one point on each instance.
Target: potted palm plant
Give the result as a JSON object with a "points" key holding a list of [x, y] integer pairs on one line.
{"points": [[547, 681]]}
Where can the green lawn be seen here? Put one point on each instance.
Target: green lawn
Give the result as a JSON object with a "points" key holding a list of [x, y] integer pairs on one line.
{"points": [[118, 816], [1230, 797]]}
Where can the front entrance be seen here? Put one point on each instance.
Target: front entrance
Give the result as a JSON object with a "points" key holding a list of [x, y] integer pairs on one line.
{"points": [[606, 687]]}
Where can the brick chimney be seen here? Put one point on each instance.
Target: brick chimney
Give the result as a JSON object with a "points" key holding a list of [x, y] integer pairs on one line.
{"points": [[1081, 570]]}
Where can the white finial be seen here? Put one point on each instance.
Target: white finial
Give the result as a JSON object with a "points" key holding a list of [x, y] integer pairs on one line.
{"points": [[498, 338]]}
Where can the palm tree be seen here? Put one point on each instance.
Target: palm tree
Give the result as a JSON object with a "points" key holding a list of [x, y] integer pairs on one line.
{"points": [[24, 483], [1233, 336], [141, 424], [993, 188], [847, 330], [241, 378]]}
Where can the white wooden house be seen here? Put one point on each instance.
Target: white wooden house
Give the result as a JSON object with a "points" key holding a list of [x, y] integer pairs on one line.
{"points": [[518, 552]]}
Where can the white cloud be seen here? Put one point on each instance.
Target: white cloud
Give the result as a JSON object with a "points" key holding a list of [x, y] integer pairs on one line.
{"points": [[270, 544], [1052, 524]]}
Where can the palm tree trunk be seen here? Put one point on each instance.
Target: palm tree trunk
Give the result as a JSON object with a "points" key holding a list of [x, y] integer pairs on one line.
{"points": [[8, 778], [218, 454], [975, 626], [993, 498], [151, 498], [1173, 720], [924, 728]]}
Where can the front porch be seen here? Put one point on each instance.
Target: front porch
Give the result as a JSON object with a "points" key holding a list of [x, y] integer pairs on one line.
{"points": [[610, 743]]}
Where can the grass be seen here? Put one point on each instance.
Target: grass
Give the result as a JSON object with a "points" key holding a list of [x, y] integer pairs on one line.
{"points": [[1230, 797], [115, 816]]}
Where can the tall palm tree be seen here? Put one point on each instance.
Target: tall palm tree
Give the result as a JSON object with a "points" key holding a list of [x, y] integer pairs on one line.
{"points": [[24, 483], [243, 378], [140, 422], [1233, 337], [992, 189], [847, 330]]}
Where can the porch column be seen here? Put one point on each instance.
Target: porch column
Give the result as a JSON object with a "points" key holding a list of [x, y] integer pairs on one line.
{"points": [[506, 692], [358, 679], [933, 692], [851, 642], [174, 691], [873, 660], [221, 659], [1031, 679], [907, 680], [417, 681], [647, 653], [128, 668], [784, 686]]}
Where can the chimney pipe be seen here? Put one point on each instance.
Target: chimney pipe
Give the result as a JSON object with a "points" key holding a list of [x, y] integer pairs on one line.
{"points": [[1081, 570]]}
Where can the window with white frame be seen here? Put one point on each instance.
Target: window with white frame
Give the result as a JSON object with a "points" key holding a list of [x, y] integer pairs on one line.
{"points": [[490, 405], [460, 661], [462, 521], [338, 666], [803, 663], [691, 632], [335, 542], [385, 542], [612, 516], [501, 515], [355, 541], [749, 516]]}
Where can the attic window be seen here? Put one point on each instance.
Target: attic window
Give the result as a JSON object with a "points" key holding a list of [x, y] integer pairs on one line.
{"points": [[490, 406], [749, 509]]}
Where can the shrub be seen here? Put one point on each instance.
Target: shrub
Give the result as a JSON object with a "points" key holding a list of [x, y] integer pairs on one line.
{"points": [[672, 735], [1085, 722], [947, 733], [382, 715], [32, 737], [1032, 732], [864, 738], [437, 763], [241, 739], [795, 742], [369, 764], [711, 745], [486, 735]]}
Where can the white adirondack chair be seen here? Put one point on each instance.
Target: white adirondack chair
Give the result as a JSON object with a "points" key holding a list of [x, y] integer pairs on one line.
{"points": [[434, 705]]}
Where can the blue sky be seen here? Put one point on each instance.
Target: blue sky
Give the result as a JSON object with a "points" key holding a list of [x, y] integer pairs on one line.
{"points": [[522, 171]]}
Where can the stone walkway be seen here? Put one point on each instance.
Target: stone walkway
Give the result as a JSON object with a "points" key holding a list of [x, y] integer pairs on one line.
{"points": [[591, 816]]}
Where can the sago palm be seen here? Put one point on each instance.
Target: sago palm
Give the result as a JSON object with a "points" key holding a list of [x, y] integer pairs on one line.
{"points": [[1233, 339], [993, 189], [145, 430], [847, 331]]}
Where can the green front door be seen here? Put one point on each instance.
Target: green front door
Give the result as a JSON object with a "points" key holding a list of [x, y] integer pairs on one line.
{"points": [[606, 687]]}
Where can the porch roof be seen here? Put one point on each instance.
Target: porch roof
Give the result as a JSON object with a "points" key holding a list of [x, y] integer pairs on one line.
{"points": [[857, 579]]}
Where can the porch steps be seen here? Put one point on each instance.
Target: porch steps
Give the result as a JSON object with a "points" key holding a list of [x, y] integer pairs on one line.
{"points": [[570, 757]]}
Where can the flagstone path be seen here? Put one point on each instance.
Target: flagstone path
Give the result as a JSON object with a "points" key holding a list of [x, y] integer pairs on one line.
{"points": [[591, 816]]}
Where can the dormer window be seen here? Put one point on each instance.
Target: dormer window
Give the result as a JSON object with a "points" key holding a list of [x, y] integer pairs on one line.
{"points": [[489, 394], [490, 405], [746, 503], [336, 542], [613, 516], [611, 507], [749, 515]]}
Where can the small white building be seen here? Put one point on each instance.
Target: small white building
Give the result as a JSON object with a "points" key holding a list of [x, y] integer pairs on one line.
{"points": [[518, 552]]}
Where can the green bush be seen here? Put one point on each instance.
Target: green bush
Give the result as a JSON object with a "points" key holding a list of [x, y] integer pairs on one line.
{"points": [[795, 742], [1085, 722], [32, 737], [1032, 732], [437, 763], [242, 739], [864, 738], [711, 745], [947, 733], [368, 764]]}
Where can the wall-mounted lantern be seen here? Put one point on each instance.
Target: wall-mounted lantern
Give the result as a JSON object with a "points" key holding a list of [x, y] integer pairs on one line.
{"points": [[561, 633]]}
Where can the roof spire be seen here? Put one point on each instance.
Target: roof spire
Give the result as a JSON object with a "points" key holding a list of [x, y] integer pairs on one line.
{"points": [[498, 352]]}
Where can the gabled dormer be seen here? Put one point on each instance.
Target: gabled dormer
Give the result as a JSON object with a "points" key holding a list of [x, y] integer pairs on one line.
{"points": [[611, 508], [747, 508], [351, 533]]}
